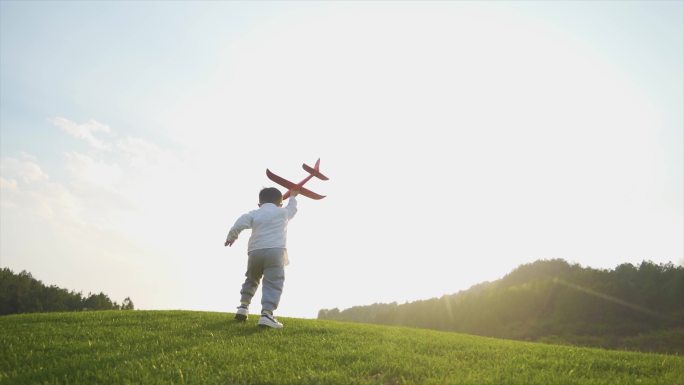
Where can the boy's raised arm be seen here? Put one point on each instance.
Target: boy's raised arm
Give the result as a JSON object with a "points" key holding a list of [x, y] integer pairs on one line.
{"points": [[292, 204], [244, 222]]}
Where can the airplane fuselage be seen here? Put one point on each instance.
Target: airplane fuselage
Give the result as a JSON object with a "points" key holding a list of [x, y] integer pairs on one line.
{"points": [[300, 185]]}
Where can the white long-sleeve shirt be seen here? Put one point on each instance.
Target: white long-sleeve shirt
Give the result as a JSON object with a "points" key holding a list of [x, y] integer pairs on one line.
{"points": [[268, 224]]}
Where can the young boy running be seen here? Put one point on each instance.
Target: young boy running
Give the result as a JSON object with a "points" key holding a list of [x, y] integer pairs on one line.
{"points": [[267, 252]]}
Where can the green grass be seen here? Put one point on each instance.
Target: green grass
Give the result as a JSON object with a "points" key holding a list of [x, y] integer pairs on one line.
{"points": [[183, 347]]}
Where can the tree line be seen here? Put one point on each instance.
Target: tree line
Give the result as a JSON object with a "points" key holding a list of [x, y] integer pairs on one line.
{"points": [[21, 293], [632, 307]]}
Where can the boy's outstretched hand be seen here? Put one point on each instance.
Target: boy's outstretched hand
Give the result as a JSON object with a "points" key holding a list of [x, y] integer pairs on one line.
{"points": [[294, 193], [229, 243]]}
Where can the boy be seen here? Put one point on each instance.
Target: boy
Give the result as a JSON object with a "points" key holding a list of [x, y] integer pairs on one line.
{"points": [[267, 252]]}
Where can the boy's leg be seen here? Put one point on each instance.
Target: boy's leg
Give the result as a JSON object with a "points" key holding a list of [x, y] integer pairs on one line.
{"points": [[255, 269], [274, 278]]}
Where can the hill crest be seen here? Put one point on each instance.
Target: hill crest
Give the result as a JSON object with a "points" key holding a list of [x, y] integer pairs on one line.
{"points": [[630, 307]]}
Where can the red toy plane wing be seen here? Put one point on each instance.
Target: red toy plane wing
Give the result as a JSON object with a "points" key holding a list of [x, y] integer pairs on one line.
{"points": [[280, 180], [310, 194], [314, 172]]}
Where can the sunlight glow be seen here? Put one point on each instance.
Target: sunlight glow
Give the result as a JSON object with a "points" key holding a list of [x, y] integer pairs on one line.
{"points": [[461, 140]]}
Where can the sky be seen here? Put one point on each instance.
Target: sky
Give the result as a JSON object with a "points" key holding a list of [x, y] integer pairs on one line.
{"points": [[461, 140]]}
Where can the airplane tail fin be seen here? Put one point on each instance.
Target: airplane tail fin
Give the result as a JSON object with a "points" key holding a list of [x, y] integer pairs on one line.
{"points": [[314, 170]]}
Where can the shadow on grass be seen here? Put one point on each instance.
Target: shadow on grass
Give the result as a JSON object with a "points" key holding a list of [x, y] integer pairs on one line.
{"points": [[238, 328]]}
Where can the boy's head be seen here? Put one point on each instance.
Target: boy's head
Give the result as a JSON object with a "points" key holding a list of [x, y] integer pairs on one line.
{"points": [[270, 195]]}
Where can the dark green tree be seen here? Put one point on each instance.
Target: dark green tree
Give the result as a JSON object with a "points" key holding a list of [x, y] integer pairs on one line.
{"points": [[21, 293], [127, 304]]}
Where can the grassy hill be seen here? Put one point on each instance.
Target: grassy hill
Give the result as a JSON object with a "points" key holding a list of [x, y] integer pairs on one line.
{"points": [[182, 347]]}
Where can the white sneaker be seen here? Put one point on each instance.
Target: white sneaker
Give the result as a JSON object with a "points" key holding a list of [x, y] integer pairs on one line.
{"points": [[268, 320], [241, 313]]}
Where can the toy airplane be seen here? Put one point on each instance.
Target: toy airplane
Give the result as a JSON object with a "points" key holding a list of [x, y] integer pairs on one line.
{"points": [[313, 171]]}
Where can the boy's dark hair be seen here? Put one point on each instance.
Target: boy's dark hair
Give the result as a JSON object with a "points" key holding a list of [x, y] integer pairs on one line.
{"points": [[270, 195]]}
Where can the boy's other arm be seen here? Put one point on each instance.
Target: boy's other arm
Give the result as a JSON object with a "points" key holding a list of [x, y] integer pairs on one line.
{"points": [[292, 204], [244, 222]]}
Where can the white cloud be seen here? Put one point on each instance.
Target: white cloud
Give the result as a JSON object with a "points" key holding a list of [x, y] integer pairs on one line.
{"points": [[104, 189], [26, 187], [139, 152], [84, 168], [84, 131], [25, 169], [8, 187], [8, 184]]}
